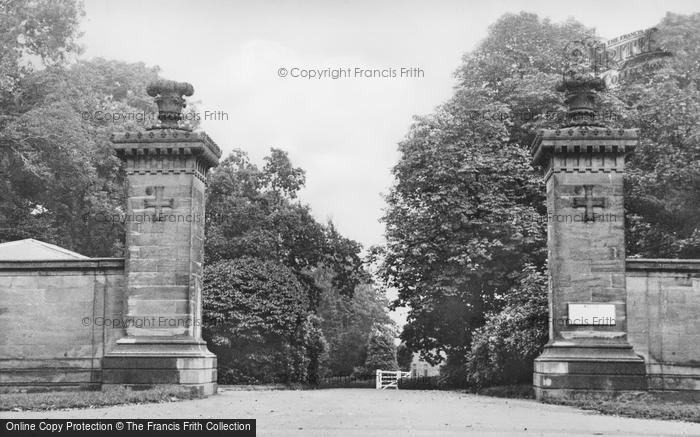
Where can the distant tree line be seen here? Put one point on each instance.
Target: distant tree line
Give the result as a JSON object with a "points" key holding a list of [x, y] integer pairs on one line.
{"points": [[286, 298]]}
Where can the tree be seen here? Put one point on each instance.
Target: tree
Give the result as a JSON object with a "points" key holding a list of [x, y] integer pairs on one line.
{"points": [[251, 212], [316, 347], [60, 178], [459, 226], [463, 214], [347, 322], [257, 322], [42, 29], [381, 351], [662, 184], [33, 134], [404, 357]]}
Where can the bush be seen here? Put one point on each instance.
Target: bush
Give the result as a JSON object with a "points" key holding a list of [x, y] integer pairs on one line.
{"points": [[256, 320], [504, 349], [421, 383], [453, 373], [347, 382]]}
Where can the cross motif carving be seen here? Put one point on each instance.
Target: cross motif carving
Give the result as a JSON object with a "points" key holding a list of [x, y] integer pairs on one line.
{"points": [[158, 203], [588, 201]]}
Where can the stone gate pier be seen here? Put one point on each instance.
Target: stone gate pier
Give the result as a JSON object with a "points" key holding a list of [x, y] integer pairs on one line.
{"points": [[612, 328], [166, 170]]}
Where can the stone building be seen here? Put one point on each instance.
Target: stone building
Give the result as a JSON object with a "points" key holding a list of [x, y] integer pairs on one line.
{"points": [[420, 368]]}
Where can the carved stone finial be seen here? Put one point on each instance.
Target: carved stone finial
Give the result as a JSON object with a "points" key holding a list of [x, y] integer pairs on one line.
{"points": [[169, 98], [580, 83], [579, 96]]}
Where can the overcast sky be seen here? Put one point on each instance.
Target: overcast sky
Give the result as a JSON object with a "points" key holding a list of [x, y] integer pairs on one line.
{"points": [[343, 132]]}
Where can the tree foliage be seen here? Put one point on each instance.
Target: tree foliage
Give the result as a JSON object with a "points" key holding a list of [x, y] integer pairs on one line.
{"points": [[256, 319], [461, 218], [41, 30], [61, 179], [504, 349], [347, 322], [404, 357], [252, 212], [663, 177], [381, 352], [57, 164]]}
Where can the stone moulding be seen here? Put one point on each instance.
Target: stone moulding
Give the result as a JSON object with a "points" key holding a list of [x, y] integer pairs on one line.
{"points": [[583, 140], [167, 142], [167, 151], [78, 264], [583, 149], [684, 265]]}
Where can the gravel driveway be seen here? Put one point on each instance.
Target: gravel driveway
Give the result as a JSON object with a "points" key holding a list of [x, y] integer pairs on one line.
{"points": [[367, 412]]}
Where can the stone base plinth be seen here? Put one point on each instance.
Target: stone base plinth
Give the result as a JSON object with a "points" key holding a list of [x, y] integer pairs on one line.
{"points": [[674, 377], [35, 387], [39, 375], [145, 362], [602, 371]]}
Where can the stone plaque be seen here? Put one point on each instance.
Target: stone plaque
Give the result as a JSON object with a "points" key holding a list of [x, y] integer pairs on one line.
{"points": [[591, 314]]}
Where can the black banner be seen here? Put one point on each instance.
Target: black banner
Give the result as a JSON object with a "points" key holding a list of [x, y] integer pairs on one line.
{"points": [[124, 427]]}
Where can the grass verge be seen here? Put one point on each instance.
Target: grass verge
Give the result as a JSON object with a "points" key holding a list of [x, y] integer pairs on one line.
{"points": [[519, 391], [262, 387], [92, 399], [645, 406], [664, 406]]}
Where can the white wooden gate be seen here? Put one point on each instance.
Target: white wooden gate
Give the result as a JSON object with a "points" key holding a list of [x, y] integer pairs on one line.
{"points": [[390, 378]]}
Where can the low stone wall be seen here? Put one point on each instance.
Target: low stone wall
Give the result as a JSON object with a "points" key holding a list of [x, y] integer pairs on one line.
{"points": [[55, 322], [663, 298]]}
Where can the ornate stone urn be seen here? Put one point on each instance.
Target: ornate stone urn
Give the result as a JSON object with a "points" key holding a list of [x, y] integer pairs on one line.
{"points": [[168, 95]]}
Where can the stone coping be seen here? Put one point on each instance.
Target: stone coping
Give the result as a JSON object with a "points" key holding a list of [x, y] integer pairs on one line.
{"points": [[168, 141], [589, 132], [65, 264], [583, 139], [660, 264]]}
